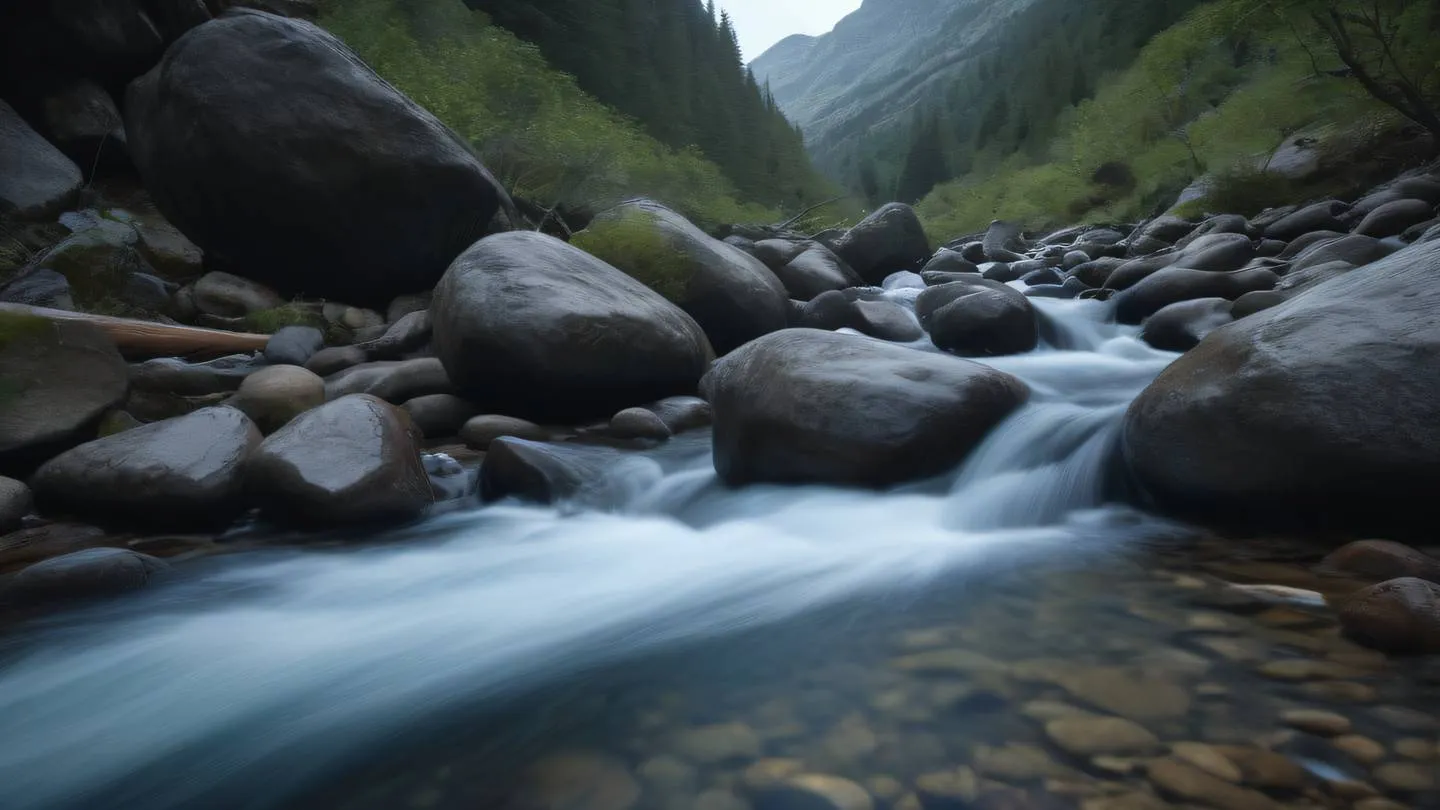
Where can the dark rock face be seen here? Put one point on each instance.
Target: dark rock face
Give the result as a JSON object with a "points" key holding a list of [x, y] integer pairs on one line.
{"points": [[978, 319], [1180, 327], [90, 574], [1278, 417], [294, 345], [16, 501], [177, 474], [1398, 616], [890, 239], [1175, 284], [438, 415], [37, 181], [351, 461], [804, 406], [58, 380], [814, 271], [270, 144], [529, 325], [83, 121]]}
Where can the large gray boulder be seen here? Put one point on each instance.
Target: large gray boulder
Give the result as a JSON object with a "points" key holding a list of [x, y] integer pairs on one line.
{"points": [[273, 147], [1323, 410], [93, 573], [806, 406], [528, 325], [978, 318], [731, 294], [37, 181], [1180, 327], [177, 474], [56, 380], [890, 239], [351, 461], [1394, 217], [814, 271], [1175, 284]]}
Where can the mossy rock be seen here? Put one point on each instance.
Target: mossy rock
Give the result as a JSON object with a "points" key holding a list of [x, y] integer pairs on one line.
{"points": [[97, 261], [270, 321], [634, 244]]}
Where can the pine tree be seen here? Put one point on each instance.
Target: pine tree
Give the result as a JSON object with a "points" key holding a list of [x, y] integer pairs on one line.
{"points": [[924, 163]]}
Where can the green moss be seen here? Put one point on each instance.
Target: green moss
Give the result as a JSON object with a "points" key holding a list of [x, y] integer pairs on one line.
{"points": [[269, 321], [15, 326], [635, 245]]}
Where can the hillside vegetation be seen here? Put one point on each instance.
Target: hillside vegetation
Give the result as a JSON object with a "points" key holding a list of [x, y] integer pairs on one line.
{"points": [[542, 135]]}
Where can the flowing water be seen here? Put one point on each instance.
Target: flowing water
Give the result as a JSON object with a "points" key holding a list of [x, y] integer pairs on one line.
{"points": [[645, 644]]}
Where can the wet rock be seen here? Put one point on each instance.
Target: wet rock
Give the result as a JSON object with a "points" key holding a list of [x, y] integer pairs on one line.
{"points": [[1182, 781], [842, 310], [948, 261], [37, 181], [405, 304], [1410, 777], [815, 270], [1095, 273], [1398, 616], [230, 296], [719, 800], [148, 293], [766, 773], [1416, 748], [1125, 801], [776, 253], [1361, 749], [1307, 669], [1266, 770], [814, 791], [889, 239], [639, 423], [683, 413], [808, 406], [579, 781], [82, 120], [1016, 763], [408, 335], [1180, 327], [1381, 560], [1322, 216], [1394, 217], [1043, 711], [1406, 718], [166, 249], [394, 381], [1175, 284], [172, 375], [1253, 302], [730, 294], [668, 775], [1095, 736], [950, 661], [40, 287], [382, 217], [1209, 759], [180, 473], [1316, 721], [1004, 242], [438, 415], [528, 324], [947, 790], [717, 744], [1339, 691], [90, 574], [274, 395], [546, 472], [294, 345], [480, 432], [349, 461], [60, 378], [335, 359], [977, 319], [1380, 803], [1128, 695], [16, 502], [1354, 250]]}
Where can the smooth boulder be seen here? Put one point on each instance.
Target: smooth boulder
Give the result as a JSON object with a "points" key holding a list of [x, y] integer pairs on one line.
{"points": [[82, 575], [1396, 616], [274, 395], [1180, 327], [528, 325], [16, 501], [891, 238], [1321, 411], [177, 474], [1394, 217], [978, 319], [814, 271], [1175, 284], [270, 144], [37, 181], [806, 406], [350, 461]]}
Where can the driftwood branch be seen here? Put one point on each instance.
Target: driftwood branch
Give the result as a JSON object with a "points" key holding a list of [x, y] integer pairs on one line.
{"points": [[146, 339], [791, 221]]}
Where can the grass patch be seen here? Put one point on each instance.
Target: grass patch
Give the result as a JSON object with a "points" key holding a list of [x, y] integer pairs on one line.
{"points": [[634, 244], [295, 313]]}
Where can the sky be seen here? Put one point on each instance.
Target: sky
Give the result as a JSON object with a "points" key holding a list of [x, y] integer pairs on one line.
{"points": [[762, 23]]}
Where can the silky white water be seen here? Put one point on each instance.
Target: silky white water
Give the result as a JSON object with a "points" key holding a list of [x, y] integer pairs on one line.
{"points": [[254, 673]]}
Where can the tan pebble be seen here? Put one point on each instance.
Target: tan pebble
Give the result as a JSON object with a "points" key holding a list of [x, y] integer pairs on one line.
{"points": [[1189, 582], [1126, 801], [1068, 787], [1306, 669], [1406, 718], [1210, 621], [885, 788], [1416, 748], [945, 788], [908, 802], [1339, 691], [719, 800], [1264, 769], [1093, 736], [1409, 776], [1208, 759], [1316, 721], [1360, 749], [1380, 803], [1118, 765], [1043, 711], [817, 790], [667, 774], [766, 772], [1185, 782], [1016, 763], [1126, 694], [1351, 789]]}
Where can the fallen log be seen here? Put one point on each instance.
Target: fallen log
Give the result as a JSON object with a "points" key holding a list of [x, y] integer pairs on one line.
{"points": [[147, 339]]}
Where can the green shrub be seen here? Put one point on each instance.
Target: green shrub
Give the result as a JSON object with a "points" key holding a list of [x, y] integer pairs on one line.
{"points": [[636, 246]]}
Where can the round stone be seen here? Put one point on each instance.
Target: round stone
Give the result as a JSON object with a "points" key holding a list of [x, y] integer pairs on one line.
{"points": [[957, 788], [768, 772], [1316, 721], [1361, 749], [576, 780], [814, 791], [1415, 777], [719, 800], [718, 743], [1095, 736], [1208, 759], [1416, 748], [481, 430], [639, 423]]}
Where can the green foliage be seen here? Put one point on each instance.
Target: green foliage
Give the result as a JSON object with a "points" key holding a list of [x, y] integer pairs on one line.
{"points": [[270, 321], [15, 327], [633, 244], [543, 136]]}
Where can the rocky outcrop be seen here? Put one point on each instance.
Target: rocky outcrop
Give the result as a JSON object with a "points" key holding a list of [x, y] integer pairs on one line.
{"points": [[889, 239], [731, 294], [37, 181], [351, 461], [177, 474], [528, 325], [805, 406], [1277, 418], [255, 127]]}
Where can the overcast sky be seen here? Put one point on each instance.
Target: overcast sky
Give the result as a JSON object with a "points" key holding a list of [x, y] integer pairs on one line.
{"points": [[762, 23]]}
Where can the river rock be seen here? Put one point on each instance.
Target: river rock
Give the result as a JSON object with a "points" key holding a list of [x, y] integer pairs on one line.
{"points": [[776, 253], [547, 472], [1380, 560], [439, 415], [394, 381], [529, 325], [332, 360], [180, 473], [1265, 769], [254, 127], [814, 271], [39, 287], [294, 345], [1361, 749], [730, 294], [683, 413], [1398, 616], [814, 791], [718, 743], [166, 249], [804, 406], [1095, 273], [1097, 736], [578, 781], [1129, 695], [89, 574], [1410, 777], [1322, 216], [273, 396], [480, 431], [230, 296], [1316, 721], [1187, 783], [845, 310], [172, 375], [889, 239], [16, 502], [948, 261], [1175, 284], [639, 423], [1293, 387], [1353, 249], [970, 319], [405, 337], [37, 181], [1257, 301], [1180, 327], [349, 461], [1394, 217], [60, 378]]}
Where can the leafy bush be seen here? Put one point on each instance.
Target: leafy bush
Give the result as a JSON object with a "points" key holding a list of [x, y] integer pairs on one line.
{"points": [[633, 244]]}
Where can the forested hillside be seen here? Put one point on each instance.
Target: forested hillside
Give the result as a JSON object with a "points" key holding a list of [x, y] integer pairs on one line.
{"points": [[674, 66], [555, 144]]}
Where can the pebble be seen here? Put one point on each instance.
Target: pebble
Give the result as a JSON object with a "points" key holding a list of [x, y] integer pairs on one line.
{"points": [[1406, 719], [947, 789], [817, 791], [885, 788], [1239, 650], [1043, 711], [1126, 801], [1264, 769], [850, 740], [1123, 766], [1407, 776], [1339, 691], [718, 800], [1351, 789], [1380, 803], [1016, 762], [1208, 759], [667, 774], [1119, 692], [718, 743], [1316, 721], [580, 781], [768, 772], [1361, 749], [1307, 669], [1416, 748], [1188, 783], [1095, 736]]}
